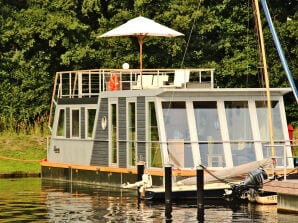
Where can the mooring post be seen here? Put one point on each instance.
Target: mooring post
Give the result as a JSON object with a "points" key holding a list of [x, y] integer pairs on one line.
{"points": [[168, 212], [140, 172], [200, 193], [168, 183]]}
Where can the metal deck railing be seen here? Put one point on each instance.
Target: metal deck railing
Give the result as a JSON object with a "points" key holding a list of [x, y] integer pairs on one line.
{"points": [[90, 83]]}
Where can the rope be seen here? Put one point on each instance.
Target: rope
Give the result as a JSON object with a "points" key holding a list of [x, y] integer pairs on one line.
{"points": [[216, 177], [193, 24], [15, 159]]}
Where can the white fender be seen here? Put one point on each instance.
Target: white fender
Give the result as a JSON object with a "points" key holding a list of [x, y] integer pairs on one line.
{"points": [[145, 182]]}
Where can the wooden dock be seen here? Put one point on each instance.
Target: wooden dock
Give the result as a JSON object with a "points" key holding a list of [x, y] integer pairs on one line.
{"points": [[287, 191]]}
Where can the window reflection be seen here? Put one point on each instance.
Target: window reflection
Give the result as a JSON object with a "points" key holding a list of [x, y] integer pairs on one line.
{"points": [[75, 117], [114, 149], [177, 132], [208, 131], [61, 123], [175, 120], [132, 134], [262, 113], [155, 159], [91, 117], [239, 127]]}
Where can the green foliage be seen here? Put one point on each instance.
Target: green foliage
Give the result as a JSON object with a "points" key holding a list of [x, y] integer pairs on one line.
{"points": [[41, 37]]}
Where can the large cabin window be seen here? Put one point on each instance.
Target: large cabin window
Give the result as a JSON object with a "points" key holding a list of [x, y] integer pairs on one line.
{"points": [[262, 113], [240, 132], [132, 134], [114, 145], [155, 159], [61, 123], [177, 132], [209, 135], [90, 121], [75, 123]]}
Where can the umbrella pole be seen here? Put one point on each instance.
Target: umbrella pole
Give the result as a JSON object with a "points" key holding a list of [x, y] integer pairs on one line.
{"points": [[140, 39]]}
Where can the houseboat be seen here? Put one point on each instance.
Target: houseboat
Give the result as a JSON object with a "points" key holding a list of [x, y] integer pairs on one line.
{"points": [[105, 121]]}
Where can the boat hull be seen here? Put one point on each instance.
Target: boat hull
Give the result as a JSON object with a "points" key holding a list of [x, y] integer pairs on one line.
{"points": [[92, 175], [265, 198], [211, 191], [269, 199], [118, 177]]}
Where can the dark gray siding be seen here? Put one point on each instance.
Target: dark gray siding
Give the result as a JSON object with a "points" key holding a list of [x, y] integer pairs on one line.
{"points": [[67, 123], [72, 101], [141, 128], [83, 123], [122, 131], [100, 153]]}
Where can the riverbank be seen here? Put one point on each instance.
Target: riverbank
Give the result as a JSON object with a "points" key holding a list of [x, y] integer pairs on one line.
{"points": [[20, 154]]}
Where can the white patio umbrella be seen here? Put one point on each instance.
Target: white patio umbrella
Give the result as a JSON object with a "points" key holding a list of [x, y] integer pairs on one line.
{"points": [[141, 27]]}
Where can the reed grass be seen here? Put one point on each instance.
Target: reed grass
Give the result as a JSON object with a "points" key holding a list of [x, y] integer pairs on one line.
{"points": [[26, 142], [10, 125]]}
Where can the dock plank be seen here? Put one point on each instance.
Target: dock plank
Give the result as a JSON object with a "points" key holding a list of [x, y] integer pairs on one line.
{"points": [[283, 187]]}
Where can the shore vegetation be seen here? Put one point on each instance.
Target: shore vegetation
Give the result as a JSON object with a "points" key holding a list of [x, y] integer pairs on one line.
{"points": [[21, 152]]}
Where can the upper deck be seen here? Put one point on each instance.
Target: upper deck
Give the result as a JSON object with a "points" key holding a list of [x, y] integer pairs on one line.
{"points": [[90, 83]]}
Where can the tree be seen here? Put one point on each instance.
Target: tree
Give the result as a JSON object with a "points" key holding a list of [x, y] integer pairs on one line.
{"points": [[41, 37], [35, 39]]}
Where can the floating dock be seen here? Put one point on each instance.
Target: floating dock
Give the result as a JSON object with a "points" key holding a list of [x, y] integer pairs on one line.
{"points": [[287, 191]]}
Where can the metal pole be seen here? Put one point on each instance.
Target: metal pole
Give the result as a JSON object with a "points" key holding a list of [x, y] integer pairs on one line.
{"points": [[285, 162], [168, 212], [70, 174], [168, 183], [279, 49], [200, 187], [200, 193]]}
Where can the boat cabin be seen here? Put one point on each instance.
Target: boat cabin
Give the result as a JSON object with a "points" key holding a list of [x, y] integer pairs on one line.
{"points": [[115, 118]]}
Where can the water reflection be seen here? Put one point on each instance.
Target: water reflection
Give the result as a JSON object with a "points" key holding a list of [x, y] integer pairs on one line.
{"points": [[30, 200], [22, 201]]}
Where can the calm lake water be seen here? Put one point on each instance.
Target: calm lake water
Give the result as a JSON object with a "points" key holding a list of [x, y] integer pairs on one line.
{"points": [[33, 200]]}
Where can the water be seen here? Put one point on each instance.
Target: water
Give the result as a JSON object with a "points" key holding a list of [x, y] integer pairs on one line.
{"points": [[30, 200]]}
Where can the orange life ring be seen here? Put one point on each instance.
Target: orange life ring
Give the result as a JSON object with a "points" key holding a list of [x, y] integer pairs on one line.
{"points": [[114, 83]]}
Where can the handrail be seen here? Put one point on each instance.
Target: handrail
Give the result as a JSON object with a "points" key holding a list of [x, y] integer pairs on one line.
{"points": [[52, 102], [88, 83]]}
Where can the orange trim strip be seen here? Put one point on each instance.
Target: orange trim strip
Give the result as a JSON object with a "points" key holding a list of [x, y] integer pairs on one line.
{"points": [[176, 172]]}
